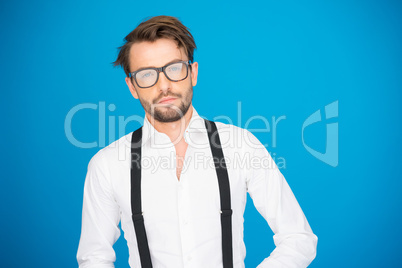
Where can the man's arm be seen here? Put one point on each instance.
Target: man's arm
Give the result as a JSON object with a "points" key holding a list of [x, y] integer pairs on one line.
{"points": [[100, 218], [295, 242]]}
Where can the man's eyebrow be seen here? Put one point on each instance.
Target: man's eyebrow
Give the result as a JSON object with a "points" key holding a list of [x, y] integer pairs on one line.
{"points": [[146, 67]]}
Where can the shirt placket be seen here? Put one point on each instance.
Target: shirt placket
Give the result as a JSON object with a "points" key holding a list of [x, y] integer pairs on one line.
{"points": [[184, 210]]}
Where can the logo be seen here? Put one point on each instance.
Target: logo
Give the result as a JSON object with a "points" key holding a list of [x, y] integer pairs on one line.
{"points": [[330, 156]]}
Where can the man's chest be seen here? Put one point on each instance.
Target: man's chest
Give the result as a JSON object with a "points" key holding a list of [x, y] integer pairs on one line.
{"points": [[181, 149], [163, 196]]}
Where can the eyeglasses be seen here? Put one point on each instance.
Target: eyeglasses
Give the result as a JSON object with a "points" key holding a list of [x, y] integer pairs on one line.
{"points": [[148, 77]]}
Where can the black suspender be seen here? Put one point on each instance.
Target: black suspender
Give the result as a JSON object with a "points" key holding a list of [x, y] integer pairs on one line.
{"points": [[136, 209], [224, 190]]}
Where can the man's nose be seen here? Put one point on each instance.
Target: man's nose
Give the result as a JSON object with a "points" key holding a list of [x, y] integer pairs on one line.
{"points": [[164, 84]]}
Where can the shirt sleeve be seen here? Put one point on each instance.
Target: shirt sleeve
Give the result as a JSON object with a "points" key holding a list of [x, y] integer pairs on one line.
{"points": [[100, 218], [294, 240]]}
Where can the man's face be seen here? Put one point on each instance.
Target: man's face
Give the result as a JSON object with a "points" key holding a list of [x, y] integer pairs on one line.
{"points": [[166, 101]]}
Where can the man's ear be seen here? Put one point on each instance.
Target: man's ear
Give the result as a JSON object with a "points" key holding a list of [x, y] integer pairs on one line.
{"points": [[194, 73], [131, 87]]}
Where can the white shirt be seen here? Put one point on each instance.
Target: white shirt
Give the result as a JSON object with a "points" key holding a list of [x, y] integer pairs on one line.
{"points": [[182, 217]]}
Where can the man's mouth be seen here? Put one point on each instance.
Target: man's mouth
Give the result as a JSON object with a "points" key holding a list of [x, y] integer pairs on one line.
{"points": [[167, 100]]}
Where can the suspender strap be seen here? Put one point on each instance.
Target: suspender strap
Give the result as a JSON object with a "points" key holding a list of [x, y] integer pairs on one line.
{"points": [[136, 209], [224, 190]]}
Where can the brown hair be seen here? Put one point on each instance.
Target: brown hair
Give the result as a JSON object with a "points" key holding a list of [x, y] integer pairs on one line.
{"points": [[153, 29]]}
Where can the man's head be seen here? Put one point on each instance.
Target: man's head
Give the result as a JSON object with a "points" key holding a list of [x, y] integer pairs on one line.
{"points": [[156, 43]]}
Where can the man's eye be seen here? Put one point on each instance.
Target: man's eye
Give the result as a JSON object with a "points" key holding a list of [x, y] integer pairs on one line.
{"points": [[146, 75], [175, 68]]}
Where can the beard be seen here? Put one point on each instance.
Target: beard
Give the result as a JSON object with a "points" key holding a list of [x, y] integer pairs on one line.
{"points": [[169, 113]]}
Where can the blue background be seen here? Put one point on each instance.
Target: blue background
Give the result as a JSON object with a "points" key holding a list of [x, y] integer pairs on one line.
{"points": [[276, 57]]}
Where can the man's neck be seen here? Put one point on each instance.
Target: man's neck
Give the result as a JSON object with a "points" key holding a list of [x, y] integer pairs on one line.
{"points": [[174, 130]]}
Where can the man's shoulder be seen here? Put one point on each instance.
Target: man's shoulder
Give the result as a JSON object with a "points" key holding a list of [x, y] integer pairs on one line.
{"points": [[229, 127], [118, 150], [237, 136]]}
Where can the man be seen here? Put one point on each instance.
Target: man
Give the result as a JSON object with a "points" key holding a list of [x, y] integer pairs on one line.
{"points": [[174, 184]]}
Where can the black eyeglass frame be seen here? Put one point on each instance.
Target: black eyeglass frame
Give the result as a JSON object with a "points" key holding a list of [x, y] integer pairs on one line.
{"points": [[161, 69]]}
